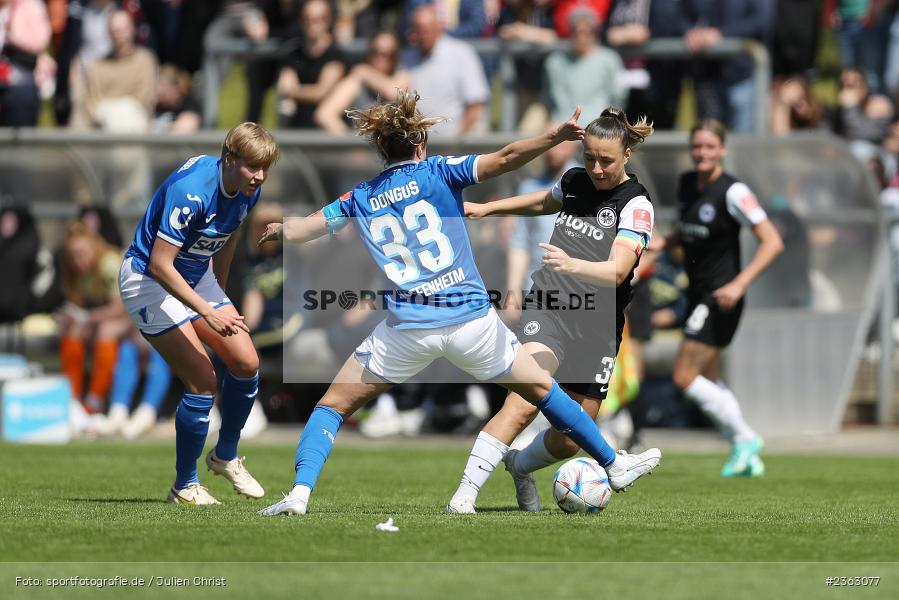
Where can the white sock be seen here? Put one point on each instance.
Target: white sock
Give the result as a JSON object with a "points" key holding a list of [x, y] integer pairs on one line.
{"points": [[486, 454], [721, 406], [300, 492], [535, 456], [742, 431]]}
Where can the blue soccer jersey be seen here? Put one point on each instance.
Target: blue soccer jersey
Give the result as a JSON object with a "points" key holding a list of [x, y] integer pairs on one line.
{"points": [[192, 211], [411, 219]]}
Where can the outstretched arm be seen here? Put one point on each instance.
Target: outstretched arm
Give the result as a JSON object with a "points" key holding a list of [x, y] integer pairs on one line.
{"points": [[296, 230], [535, 203], [517, 154]]}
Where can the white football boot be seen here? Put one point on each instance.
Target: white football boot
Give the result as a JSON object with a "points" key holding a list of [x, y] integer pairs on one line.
{"points": [[236, 473], [460, 507], [525, 487], [291, 504], [628, 468], [194, 494]]}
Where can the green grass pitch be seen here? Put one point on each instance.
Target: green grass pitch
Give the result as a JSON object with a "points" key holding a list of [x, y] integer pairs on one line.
{"points": [[683, 532]]}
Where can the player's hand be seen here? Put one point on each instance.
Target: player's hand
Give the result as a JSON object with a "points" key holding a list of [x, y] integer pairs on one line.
{"points": [[474, 210], [225, 323], [728, 295], [570, 130], [272, 233], [557, 259]]}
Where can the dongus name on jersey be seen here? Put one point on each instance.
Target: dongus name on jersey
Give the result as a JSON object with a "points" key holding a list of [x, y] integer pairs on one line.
{"points": [[578, 227], [394, 195]]}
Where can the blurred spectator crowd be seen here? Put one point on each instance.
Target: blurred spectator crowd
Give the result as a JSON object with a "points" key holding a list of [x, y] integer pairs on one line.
{"points": [[132, 65]]}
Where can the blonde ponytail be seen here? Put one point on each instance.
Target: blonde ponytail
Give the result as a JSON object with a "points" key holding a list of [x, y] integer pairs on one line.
{"points": [[394, 128]]}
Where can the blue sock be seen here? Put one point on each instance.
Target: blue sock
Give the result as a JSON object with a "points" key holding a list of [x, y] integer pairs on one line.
{"points": [[238, 395], [126, 374], [567, 416], [315, 444], [191, 426], [156, 381]]}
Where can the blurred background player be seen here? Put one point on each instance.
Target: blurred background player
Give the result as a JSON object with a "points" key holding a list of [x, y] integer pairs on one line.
{"points": [[604, 223], [171, 283], [714, 206], [423, 195]]}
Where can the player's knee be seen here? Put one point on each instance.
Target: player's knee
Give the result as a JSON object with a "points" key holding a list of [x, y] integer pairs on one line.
{"points": [[202, 383], [519, 416], [683, 377], [245, 366], [106, 330]]}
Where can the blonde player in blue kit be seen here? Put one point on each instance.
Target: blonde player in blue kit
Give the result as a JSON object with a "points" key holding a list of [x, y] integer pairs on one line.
{"points": [[411, 220], [171, 284]]}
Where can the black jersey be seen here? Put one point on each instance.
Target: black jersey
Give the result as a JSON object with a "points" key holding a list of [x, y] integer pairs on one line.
{"points": [[710, 222], [587, 226]]}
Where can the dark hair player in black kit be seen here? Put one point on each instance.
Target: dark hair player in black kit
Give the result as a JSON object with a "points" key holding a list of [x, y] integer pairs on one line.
{"points": [[574, 327], [714, 206]]}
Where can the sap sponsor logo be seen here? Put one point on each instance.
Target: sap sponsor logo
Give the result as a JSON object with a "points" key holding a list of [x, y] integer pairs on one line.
{"points": [[180, 218], [693, 230], [394, 195], [190, 162], [578, 227], [207, 246]]}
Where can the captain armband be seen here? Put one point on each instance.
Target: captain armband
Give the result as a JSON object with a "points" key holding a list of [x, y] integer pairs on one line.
{"points": [[335, 219]]}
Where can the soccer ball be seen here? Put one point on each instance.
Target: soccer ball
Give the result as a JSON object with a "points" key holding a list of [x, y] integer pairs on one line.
{"points": [[581, 486]]}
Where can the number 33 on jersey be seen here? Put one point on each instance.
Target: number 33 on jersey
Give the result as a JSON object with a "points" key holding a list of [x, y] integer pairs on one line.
{"points": [[411, 219]]}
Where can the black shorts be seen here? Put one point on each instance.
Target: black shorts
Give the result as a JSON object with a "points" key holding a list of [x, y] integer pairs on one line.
{"points": [[586, 350], [710, 325]]}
